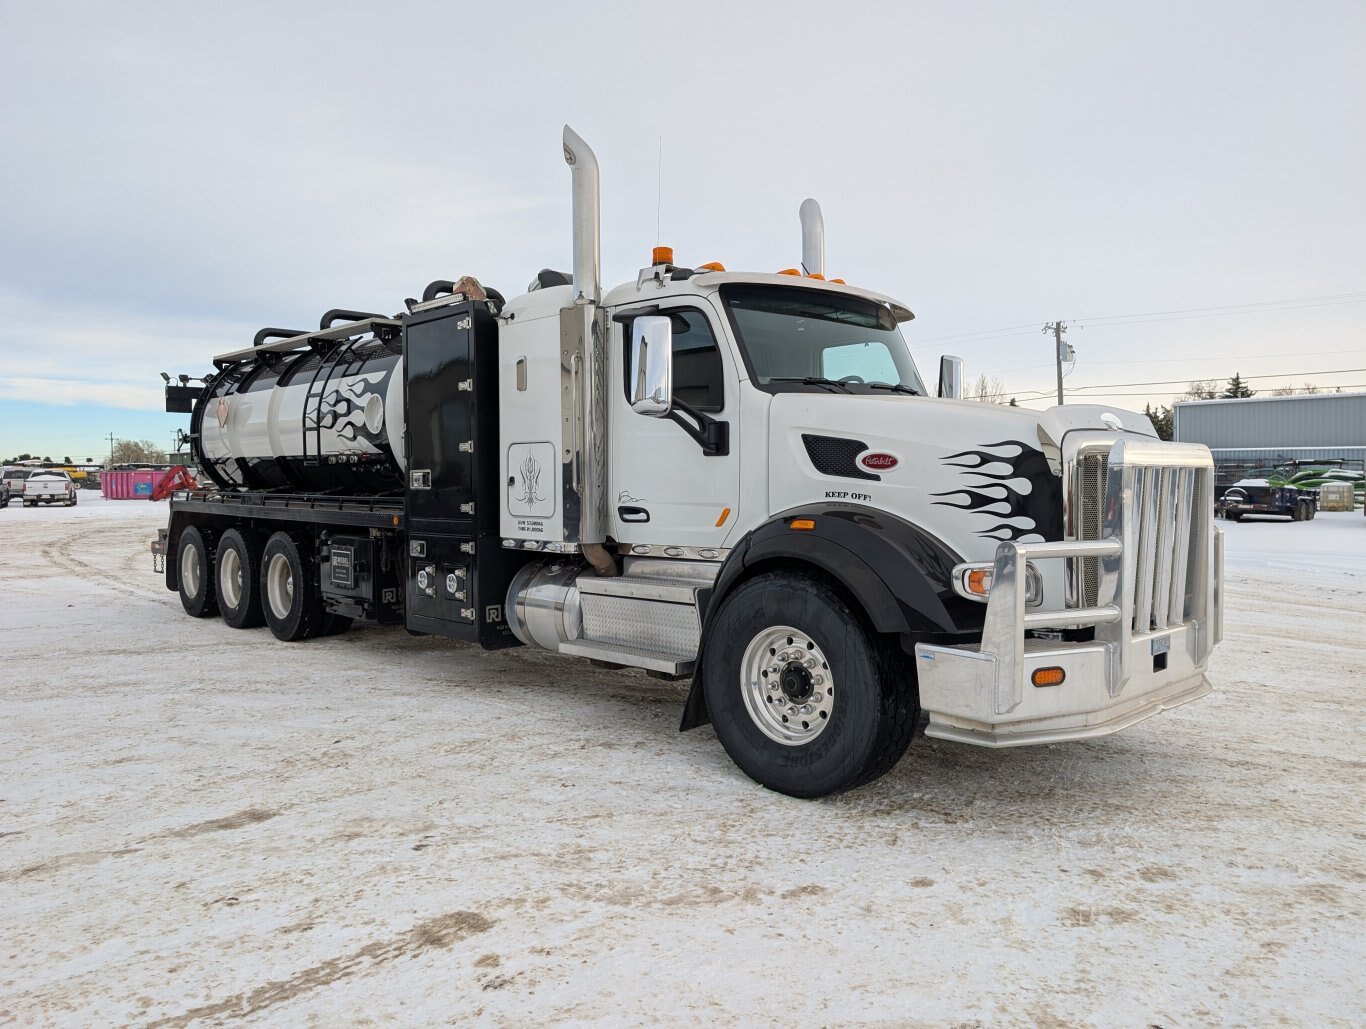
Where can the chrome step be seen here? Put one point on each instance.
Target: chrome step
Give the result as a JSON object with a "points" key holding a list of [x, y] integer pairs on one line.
{"points": [[632, 657]]}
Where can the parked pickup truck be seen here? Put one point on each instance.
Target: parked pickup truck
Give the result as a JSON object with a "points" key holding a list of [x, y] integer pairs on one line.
{"points": [[49, 486]]}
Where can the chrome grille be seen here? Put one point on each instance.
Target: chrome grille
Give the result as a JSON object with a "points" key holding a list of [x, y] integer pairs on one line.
{"points": [[1092, 468], [1164, 567]]}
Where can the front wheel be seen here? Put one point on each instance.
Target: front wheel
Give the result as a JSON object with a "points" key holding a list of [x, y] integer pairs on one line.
{"points": [[290, 597], [803, 697]]}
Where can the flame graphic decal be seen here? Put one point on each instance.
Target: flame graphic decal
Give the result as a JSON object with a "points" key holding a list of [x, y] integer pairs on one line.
{"points": [[1023, 498]]}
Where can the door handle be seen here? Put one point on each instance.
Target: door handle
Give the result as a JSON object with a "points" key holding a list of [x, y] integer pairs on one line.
{"points": [[633, 514]]}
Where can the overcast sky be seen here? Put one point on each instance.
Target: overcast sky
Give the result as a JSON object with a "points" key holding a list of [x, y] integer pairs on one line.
{"points": [[177, 175]]}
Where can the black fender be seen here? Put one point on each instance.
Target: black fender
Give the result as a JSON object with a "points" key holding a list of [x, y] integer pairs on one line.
{"points": [[899, 576]]}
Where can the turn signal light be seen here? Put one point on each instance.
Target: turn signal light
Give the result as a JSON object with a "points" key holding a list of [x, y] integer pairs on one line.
{"points": [[801, 524], [1051, 676], [979, 581], [662, 255]]}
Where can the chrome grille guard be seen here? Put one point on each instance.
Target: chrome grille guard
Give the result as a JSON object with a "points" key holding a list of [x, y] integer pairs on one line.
{"points": [[1155, 564]]}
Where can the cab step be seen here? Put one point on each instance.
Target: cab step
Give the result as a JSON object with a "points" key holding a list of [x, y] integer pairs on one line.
{"points": [[632, 657]]}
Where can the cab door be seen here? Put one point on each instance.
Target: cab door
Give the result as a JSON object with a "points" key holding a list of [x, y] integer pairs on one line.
{"points": [[664, 490]]}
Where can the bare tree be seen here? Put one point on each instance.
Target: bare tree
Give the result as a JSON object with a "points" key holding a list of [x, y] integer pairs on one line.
{"points": [[1308, 389], [988, 389], [1202, 389], [129, 451]]}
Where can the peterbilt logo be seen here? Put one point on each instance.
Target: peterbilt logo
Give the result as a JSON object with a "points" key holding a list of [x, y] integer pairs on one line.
{"points": [[877, 462]]}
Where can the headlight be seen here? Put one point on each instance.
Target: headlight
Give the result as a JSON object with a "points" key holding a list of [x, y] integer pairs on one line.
{"points": [[974, 581]]}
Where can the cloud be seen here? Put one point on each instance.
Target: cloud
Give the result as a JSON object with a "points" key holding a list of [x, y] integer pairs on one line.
{"points": [[71, 392], [78, 354]]}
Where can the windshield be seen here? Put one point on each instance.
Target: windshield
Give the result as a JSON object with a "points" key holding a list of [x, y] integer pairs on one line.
{"points": [[811, 341]]}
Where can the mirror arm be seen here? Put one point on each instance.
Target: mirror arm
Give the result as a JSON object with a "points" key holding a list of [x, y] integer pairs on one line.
{"points": [[711, 434]]}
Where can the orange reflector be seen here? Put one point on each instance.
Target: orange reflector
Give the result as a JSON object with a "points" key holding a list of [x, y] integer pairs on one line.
{"points": [[790, 271], [801, 524], [662, 255], [711, 266], [979, 581], [725, 513], [1048, 676], [840, 281], [395, 519]]}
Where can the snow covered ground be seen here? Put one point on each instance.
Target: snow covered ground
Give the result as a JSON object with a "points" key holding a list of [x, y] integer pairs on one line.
{"points": [[199, 825]]}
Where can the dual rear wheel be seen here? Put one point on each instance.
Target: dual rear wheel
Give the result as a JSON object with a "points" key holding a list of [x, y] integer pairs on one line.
{"points": [[252, 580]]}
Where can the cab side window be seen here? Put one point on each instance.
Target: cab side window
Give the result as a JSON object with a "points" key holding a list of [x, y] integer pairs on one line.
{"points": [[697, 368]]}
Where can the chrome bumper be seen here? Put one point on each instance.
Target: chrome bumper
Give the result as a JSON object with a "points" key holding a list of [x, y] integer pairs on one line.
{"points": [[1157, 614]]}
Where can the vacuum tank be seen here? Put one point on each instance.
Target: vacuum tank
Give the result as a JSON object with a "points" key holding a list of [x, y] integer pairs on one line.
{"points": [[315, 412]]}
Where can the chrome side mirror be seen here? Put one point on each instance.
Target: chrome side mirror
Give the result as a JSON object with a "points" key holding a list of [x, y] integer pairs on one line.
{"points": [[652, 346], [951, 378]]}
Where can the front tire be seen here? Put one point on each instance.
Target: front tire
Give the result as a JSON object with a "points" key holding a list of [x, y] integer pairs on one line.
{"points": [[194, 554], [804, 698], [290, 597], [238, 571]]}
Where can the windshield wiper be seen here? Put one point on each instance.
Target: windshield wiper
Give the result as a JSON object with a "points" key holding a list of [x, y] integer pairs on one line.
{"points": [[811, 380], [895, 387]]}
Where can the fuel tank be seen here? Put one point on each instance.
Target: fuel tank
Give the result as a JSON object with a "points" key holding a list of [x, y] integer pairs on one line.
{"points": [[327, 417]]}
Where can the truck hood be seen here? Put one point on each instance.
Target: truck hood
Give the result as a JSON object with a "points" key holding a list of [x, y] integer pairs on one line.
{"points": [[969, 473]]}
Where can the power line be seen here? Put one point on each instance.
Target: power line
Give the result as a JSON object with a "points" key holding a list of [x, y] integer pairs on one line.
{"points": [[1187, 380], [1324, 391], [1175, 314], [1336, 297]]}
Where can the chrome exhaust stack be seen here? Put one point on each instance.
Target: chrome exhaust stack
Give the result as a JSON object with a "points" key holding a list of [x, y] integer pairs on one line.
{"points": [[587, 231], [813, 238], [584, 371]]}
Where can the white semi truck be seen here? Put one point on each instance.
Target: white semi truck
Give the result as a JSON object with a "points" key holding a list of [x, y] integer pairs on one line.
{"points": [[735, 477]]}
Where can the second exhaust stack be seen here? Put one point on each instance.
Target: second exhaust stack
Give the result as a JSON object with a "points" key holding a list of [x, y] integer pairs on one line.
{"points": [[813, 238]]}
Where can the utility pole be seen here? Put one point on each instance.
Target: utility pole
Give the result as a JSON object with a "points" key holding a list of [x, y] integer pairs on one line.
{"points": [[111, 451], [1062, 351]]}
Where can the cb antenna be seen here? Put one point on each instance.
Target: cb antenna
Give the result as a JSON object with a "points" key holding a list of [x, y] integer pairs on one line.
{"points": [[659, 189]]}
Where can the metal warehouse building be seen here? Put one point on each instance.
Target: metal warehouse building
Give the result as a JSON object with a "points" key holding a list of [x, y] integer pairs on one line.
{"points": [[1277, 430]]}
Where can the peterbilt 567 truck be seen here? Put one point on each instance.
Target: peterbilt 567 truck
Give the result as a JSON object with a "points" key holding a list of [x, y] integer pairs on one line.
{"points": [[738, 478]]}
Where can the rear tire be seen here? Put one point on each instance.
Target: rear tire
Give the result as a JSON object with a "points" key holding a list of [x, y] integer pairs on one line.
{"points": [[237, 576], [194, 557], [290, 598], [804, 698]]}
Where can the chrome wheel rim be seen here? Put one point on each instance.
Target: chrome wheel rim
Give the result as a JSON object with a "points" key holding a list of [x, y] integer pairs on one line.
{"points": [[189, 571], [280, 585], [787, 685], [230, 578]]}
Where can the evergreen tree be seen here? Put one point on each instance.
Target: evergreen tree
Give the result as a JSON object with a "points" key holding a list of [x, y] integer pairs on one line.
{"points": [[1161, 417], [1237, 387]]}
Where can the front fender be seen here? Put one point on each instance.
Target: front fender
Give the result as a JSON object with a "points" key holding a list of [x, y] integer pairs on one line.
{"points": [[899, 575]]}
